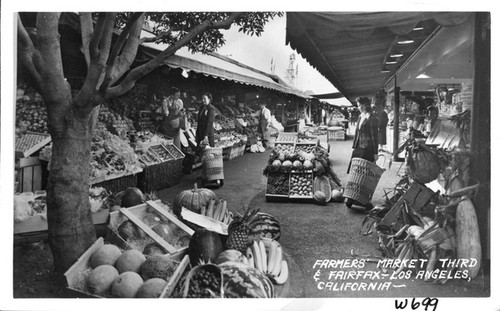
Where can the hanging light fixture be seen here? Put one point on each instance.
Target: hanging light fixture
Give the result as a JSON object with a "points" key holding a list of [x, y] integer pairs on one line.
{"points": [[384, 70], [391, 62], [396, 54], [404, 40], [418, 27]]}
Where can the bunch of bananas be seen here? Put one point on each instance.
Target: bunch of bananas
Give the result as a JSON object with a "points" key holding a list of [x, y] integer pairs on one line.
{"points": [[267, 256], [217, 209]]}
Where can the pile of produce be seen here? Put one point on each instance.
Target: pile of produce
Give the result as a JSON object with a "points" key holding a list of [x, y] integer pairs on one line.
{"points": [[117, 273], [278, 184], [111, 155], [31, 114], [301, 185]]}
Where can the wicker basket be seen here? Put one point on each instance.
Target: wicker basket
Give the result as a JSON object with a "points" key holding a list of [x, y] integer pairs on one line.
{"points": [[118, 184], [363, 179], [212, 164]]}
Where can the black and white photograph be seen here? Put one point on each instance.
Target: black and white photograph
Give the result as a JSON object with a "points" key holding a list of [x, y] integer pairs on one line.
{"points": [[318, 158]]}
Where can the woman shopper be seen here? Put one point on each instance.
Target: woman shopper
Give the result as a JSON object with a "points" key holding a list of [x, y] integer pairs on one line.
{"points": [[365, 144], [205, 127], [173, 111]]}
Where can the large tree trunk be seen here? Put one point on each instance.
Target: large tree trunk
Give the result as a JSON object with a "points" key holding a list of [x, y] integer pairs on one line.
{"points": [[71, 229]]}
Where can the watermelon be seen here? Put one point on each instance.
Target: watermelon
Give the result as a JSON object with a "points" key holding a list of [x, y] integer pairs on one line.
{"points": [[297, 165], [319, 197], [265, 225], [242, 281]]}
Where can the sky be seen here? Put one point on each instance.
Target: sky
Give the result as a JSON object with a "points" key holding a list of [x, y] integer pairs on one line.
{"points": [[259, 51]]}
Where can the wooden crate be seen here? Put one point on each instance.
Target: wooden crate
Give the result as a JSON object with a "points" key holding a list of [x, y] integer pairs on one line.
{"points": [[137, 214], [335, 133], [30, 172], [77, 273], [269, 194], [309, 175]]}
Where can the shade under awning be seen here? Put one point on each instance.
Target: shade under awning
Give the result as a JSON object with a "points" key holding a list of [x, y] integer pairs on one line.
{"points": [[350, 49]]}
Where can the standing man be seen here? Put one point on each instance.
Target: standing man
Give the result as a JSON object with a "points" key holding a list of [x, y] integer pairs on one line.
{"points": [[383, 119], [173, 111], [264, 123]]}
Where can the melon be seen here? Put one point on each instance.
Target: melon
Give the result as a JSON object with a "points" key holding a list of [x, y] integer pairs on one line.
{"points": [[337, 195], [100, 279], [242, 281], [105, 255], [151, 288], [297, 164], [130, 260], [319, 197], [126, 285], [153, 249], [204, 246], [128, 230], [308, 165], [132, 196], [166, 232], [265, 225], [276, 163], [158, 266], [287, 163]]}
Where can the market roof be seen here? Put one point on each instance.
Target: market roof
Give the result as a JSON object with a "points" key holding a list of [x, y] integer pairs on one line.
{"points": [[223, 67], [352, 49]]}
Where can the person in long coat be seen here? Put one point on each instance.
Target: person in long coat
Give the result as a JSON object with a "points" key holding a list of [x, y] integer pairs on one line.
{"points": [[205, 127], [264, 123], [383, 119], [365, 144]]}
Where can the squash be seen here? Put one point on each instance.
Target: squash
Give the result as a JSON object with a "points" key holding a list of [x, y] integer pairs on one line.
{"points": [[467, 235], [321, 183], [204, 246], [337, 195], [192, 199]]}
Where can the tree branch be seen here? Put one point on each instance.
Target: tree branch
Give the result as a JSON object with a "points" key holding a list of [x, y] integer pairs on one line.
{"points": [[161, 35], [87, 29], [140, 71], [27, 52], [117, 47]]}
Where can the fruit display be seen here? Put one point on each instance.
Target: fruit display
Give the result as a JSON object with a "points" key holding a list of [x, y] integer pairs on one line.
{"points": [[204, 281], [305, 147], [161, 152], [266, 255], [148, 158], [31, 115], [172, 149], [242, 281], [112, 155], [239, 235], [116, 273], [204, 246], [265, 226], [278, 184], [217, 209], [301, 185], [284, 147]]}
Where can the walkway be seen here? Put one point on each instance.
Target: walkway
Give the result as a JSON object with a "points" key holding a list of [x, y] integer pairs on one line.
{"points": [[311, 232]]}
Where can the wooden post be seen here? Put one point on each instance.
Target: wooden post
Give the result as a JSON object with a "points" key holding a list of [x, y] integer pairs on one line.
{"points": [[395, 126], [480, 127]]}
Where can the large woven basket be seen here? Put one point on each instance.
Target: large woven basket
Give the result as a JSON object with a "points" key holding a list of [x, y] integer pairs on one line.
{"points": [[363, 179], [212, 164]]}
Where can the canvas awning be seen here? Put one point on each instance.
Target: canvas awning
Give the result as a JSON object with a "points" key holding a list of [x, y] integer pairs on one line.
{"points": [[351, 49], [222, 67]]}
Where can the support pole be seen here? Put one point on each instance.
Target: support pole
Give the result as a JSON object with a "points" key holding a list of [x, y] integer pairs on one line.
{"points": [[395, 126], [480, 128]]}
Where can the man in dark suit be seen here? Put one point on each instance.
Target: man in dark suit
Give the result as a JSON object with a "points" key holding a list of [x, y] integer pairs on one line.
{"points": [[205, 127]]}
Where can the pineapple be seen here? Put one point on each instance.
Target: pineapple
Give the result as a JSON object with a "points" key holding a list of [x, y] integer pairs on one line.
{"points": [[239, 229]]}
